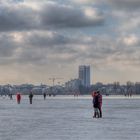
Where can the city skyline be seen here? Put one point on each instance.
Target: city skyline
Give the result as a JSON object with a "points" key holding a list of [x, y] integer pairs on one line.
{"points": [[51, 38]]}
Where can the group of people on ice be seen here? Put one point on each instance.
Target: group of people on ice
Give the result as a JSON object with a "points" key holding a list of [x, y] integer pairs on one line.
{"points": [[18, 97], [97, 104]]}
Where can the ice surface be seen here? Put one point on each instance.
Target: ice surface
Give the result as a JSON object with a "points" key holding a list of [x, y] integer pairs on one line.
{"points": [[69, 118]]}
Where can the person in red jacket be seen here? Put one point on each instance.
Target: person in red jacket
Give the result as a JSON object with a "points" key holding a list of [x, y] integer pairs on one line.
{"points": [[18, 96], [100, 103]]}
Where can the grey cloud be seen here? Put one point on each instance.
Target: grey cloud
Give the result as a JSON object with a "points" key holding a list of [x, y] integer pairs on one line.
{"points": [[66, 16], [46, 40], [54, 48], [32, 56], [125, 4], [95, 48], [7, 45], [119, 4], [15, 17]]}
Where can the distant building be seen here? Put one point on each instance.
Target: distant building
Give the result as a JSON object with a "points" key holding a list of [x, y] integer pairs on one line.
{"points": [[137, 87], [84, 75], [73, 84]]}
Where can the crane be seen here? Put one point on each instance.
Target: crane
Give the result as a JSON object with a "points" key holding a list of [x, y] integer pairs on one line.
{"points": [[53, 79]]}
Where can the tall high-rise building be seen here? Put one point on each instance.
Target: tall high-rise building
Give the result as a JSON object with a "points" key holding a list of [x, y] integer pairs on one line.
{"points": [[84, 75]]}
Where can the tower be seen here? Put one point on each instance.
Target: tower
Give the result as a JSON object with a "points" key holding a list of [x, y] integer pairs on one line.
{"points": [[84, 75]]}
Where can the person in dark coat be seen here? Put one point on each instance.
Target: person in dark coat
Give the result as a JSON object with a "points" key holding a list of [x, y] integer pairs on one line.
{"points": [[95, 105], [44, 95], [30, 97], [11, 97]]}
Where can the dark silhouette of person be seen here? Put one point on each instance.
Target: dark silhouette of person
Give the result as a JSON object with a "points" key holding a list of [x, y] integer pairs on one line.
{"points": [[31, 97], [11, 97], [44, 95], [95, 105]]}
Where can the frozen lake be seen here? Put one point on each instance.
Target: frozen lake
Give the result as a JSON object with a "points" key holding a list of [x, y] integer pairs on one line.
{"points": [[69, 118]]}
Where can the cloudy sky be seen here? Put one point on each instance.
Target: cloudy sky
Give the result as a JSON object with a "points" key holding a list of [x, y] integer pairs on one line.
{"points": [[40, 39]]}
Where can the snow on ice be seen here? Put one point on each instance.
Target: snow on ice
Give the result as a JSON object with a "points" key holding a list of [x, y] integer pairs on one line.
{"points": [[69, 118]]}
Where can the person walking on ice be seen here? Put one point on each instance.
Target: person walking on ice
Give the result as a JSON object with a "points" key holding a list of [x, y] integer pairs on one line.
{"points": [[18, 97], [95, 105], [44, 95], [99, 96], [31, 97]]}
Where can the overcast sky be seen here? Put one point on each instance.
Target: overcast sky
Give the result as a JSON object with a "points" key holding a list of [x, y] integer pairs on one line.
{"points": [[40, 39]]}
